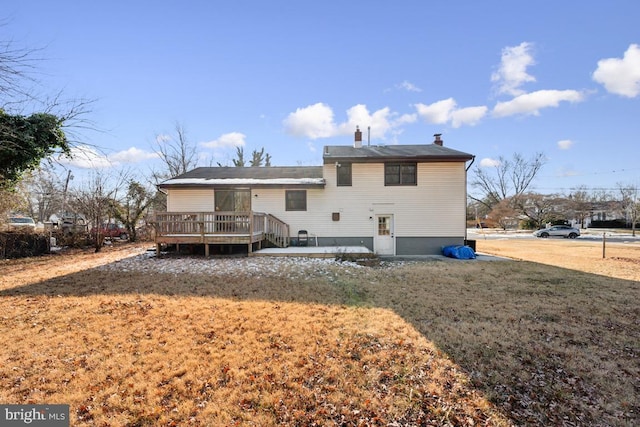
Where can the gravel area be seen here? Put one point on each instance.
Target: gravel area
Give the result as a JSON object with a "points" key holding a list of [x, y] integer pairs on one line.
{"points": [[254, 266]]}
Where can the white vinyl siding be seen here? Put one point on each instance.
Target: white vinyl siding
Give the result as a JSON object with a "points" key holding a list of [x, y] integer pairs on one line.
{"points": [[272, 201], [435, 207], [190, 200]]}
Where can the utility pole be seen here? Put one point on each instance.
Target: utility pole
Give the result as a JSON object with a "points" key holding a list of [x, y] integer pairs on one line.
{"points": [[64, 193]]}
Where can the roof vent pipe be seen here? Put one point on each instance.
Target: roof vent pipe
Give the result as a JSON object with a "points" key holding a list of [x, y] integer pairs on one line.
{"points": [[357, 143], [438, 140]]}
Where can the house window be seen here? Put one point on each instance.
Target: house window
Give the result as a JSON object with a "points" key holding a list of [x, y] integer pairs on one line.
{"points": [[296, 200], [232, 200], [343, 171], [400, 174]]}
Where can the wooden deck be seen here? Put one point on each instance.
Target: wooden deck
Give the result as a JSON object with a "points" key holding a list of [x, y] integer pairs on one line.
{"points": [[220, 228]]}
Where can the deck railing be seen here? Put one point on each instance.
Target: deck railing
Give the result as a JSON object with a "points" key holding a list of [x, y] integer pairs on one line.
{"points": [[248, 224], [168, 223], [277, 231]]}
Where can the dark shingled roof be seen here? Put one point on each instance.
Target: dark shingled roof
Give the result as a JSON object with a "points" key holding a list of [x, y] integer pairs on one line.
{"points": [[377, 153], [312, 175], [254, 177], [229, 172]]}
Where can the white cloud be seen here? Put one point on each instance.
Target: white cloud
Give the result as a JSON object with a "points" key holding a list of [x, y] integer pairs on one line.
{"points": [[512, 72], [621, 76], [317, 121], [409, 87], [437, 113], [163, 138], [405, 119], [488, 162], [565, 144], [445, 111], [227, 140], [531, 103], [132, 155], [468, 116], [86, 157], [314, 121], [358, 115], [311, 147]]}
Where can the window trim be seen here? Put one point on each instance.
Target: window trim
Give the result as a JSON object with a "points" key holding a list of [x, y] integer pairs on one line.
{"points": [[287, 200], [400, 174]]}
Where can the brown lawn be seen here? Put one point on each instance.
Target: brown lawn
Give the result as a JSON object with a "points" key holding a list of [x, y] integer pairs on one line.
{"points": [[185, 341], [621, 260]]}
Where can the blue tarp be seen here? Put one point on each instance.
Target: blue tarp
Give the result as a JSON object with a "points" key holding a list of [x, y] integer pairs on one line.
{"points": [[458, 252]]}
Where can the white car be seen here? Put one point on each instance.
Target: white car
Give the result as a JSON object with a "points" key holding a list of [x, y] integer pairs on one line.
{"points": [[558, 231], [21, 223]]}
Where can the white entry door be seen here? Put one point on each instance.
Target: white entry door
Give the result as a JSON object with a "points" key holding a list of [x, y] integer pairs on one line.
{"points": [[384, 243]]}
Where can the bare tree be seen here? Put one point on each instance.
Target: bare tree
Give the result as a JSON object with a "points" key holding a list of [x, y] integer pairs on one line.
{"points": [[258, 158], [579, 204], [11, 200], [93, 200], [504, 215], [540, 209], [132, 207], [44, 192], [508, 178], [16, 66], [33, 126], [630, 204], [239, 161], [176, 152]]}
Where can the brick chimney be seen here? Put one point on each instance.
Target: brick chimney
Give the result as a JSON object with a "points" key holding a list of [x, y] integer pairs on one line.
{"points": [[357, 143], [438, 140]]}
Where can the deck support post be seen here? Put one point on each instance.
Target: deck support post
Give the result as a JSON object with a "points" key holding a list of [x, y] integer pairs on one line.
{"points": [[158, 248], [206, 250]]}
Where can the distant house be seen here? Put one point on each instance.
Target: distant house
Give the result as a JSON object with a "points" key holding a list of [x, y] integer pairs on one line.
{"points": [[395, 200], [605, 211]]}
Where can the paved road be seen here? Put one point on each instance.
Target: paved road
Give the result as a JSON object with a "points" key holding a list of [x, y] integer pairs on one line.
{"points": [[593, 235]]}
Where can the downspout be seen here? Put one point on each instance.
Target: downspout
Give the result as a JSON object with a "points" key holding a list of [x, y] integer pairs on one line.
{"points": [[466, 196]]}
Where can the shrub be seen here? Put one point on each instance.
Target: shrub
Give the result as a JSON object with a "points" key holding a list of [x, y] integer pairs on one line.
{"points": [[612, 223], [20, 245]]}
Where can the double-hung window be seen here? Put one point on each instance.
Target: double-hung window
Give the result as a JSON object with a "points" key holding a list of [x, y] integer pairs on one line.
{"points": [[400, 174], [296, 200]]}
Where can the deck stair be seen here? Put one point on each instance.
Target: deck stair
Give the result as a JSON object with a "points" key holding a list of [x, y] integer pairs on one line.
{"points": [[276, 232]]}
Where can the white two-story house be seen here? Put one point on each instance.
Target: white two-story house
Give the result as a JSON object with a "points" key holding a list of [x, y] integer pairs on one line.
{"points": [[393, 199]]}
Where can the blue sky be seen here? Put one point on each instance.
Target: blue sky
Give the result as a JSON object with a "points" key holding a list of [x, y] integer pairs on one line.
{"points": [[494, 77]]}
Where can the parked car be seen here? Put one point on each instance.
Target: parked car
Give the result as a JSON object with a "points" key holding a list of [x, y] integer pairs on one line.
{"points": [[21, 223], [558, 231], [69, 223], [113, 231]]}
